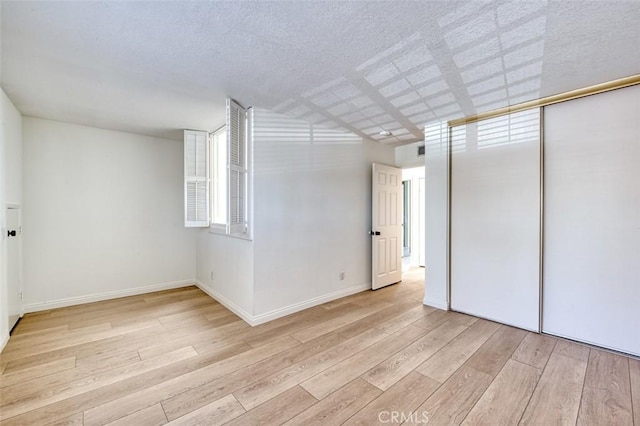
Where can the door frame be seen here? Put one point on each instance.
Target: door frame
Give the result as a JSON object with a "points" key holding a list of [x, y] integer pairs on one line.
{"points": [[407, 218], [14, 206], [417, 216]]}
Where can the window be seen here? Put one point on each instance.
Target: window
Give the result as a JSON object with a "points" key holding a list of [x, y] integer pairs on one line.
{"points": [[217, 180]]}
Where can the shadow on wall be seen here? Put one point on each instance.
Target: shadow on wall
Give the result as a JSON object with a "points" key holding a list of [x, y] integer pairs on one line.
{"points": [[288, 144]]}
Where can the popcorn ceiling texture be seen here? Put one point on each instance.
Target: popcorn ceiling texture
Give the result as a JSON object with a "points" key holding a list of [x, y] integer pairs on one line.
{"points": [[158, 67]]}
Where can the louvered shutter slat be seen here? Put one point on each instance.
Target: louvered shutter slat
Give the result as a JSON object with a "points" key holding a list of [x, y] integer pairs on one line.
{"points": [[238, 169], [238, 182], [196, 178], [190, 154]]}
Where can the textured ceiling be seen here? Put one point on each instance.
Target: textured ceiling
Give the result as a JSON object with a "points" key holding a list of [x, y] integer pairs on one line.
{"points": [[158, 67]]}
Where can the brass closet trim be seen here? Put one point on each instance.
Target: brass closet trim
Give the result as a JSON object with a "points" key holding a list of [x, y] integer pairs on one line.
{"points": [[541, 228], [550, 100], [449, 206]]}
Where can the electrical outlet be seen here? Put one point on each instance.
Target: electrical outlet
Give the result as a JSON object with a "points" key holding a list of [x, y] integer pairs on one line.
{"points": [[341, 276]]}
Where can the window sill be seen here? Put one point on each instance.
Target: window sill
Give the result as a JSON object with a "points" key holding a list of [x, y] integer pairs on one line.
{"points": [[222, 231], [218, 229]]}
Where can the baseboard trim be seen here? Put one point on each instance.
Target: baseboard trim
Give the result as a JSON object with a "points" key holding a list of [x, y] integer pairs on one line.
{"points": [[99, 297], [254, 320], [246, 316], [3, 341], [440, 304], [296, 307]]}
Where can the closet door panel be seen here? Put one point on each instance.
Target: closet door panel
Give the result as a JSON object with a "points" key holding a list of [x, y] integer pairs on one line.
{"points": [[592, 220], [495, 219]]}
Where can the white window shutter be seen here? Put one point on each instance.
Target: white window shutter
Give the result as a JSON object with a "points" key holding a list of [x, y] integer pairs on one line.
{"points": [[238, 168], [196, 178]]}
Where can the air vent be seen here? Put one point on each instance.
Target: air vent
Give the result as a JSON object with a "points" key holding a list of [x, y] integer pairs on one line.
{"points": [[420, 150]]}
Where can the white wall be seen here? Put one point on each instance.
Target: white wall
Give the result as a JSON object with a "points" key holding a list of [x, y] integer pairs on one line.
{"points": [[312, 211], [103, 214], [10, 191], [407, 155], [225, 271]]}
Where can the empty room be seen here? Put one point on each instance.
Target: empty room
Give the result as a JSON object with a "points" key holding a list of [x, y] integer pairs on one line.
{"points": [[320, 212]]}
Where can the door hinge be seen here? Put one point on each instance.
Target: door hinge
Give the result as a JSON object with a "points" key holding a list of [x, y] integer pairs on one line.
{"points": [[20, 295]]}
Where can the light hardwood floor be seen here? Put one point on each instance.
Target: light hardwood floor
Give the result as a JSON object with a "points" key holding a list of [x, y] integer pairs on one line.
{"points": [[179, 357]]}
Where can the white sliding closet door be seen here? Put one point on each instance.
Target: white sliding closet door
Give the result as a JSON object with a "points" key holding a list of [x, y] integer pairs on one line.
{"points": [[495, 219], [592, 220]]}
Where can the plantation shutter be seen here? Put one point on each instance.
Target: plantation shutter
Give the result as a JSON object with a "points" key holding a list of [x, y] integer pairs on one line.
{"points": [[196, 179], [238, 167]]}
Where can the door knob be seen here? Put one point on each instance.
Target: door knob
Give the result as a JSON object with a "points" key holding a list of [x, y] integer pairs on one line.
{"points": [[374, 233], [11, 233]]}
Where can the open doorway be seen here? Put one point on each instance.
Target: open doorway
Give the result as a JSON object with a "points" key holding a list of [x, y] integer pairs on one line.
{"points": [[413, 225], [406, 218]]}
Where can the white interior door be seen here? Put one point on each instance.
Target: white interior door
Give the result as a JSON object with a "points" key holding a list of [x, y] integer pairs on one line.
{"points": [[13, 266], [386, 225]]}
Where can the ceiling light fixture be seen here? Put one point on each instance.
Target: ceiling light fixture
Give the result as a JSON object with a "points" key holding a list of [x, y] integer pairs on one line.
{"points": [[385, 133]]}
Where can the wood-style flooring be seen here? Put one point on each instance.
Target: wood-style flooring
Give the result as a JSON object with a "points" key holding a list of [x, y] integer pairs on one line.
{"points": [[380, 357]]}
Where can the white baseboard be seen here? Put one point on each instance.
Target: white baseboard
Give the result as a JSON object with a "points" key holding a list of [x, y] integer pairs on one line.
{"points": [[281, 312], [246, 316], [98, 297], [440, 304], [4, 340], [296, 307]]}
